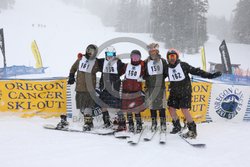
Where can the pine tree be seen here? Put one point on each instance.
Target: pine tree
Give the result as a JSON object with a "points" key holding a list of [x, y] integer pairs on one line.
{"points": [[241, 22], [156, 22], [180, 23], [123, 17]]}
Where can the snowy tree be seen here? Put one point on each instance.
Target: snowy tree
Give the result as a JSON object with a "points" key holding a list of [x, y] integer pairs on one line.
{"points": [[106, 10], [157, 24], [123, 17], [241, 22], [6, 4], [180, 23], [220, 27], [133, 16]]}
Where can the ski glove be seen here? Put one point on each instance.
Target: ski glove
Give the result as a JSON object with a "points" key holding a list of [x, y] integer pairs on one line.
{"points": [[215, 75], [71, 80]]}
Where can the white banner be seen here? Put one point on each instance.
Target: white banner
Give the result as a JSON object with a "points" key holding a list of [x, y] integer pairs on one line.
{"points": [[228, 102]]}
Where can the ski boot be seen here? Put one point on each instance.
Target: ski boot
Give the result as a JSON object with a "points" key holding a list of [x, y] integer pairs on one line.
{"points": [[106, 120], [121, 123], [192, 133], [131, 127], [177, 127], [138, 127], [154, 125], [63, 124], [88, 123], [138, 123], [163, 125]]}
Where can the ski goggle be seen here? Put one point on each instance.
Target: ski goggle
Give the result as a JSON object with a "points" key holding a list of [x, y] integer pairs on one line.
{"points": [[172, 56], [110, 54], [135, 57]]}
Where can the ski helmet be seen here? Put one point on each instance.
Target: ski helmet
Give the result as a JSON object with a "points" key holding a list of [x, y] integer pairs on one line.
{"points": [[172, 55], [172, 51]]}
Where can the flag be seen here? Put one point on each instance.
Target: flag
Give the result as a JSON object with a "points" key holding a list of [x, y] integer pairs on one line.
{"points": [[2, 46], [225, 58], [35, 51], [203, 59]]}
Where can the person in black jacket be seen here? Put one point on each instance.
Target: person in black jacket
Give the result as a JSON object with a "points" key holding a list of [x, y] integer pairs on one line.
{"points": [[109, 86], [181, 90]]}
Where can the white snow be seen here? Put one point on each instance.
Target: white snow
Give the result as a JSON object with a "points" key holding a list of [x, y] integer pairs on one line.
{"points": [[25, 143], [61, 32]]}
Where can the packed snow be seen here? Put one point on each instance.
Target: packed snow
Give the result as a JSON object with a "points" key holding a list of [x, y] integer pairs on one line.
{"points": [[61, 32]]}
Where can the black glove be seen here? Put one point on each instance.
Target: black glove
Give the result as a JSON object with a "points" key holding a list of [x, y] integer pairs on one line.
{"points": [[71, 80], [215, 75]]}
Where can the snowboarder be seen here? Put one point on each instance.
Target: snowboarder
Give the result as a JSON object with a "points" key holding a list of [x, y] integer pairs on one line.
{"points": [[109, 86], [155, 86], [86, 68], [181, 90], [132, 95]]}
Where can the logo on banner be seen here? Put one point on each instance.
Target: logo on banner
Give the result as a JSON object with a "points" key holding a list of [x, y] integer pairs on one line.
{"points": [[229, 103]]}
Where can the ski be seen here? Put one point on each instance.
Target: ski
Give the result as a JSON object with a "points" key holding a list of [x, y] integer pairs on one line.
{"points": [[122, 134], [193, 142], [135, 138], [94, 131], [149, 135], [163, 137]]}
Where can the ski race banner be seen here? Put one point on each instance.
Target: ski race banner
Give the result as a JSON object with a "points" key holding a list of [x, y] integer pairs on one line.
{"points": [[229, 102], [53, 97], [33, 97]]}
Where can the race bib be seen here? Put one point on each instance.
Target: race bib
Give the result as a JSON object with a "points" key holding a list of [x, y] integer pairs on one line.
{"points": [[110, 67], [155, 67], [176, 74], [133, 72], [86, 65]]}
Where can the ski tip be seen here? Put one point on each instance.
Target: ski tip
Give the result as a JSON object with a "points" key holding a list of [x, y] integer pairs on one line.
{"points": [[199, 145], [49, 126], [133, 144]]}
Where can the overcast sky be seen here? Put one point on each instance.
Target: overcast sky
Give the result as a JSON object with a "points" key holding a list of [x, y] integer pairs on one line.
{"points": [[222, 7]]}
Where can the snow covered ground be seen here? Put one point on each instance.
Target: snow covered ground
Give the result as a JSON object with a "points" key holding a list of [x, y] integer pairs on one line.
{"points": [[24, 143], [61, 32]]}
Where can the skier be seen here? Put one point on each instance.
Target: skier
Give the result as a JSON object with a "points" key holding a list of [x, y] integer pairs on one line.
{"points": [[132, 95], [181, 90], [109, 86], [86, 68], [155, 85]]}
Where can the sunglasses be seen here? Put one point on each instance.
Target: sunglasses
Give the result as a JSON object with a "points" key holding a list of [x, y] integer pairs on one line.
{"points": [[110, 54]]}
